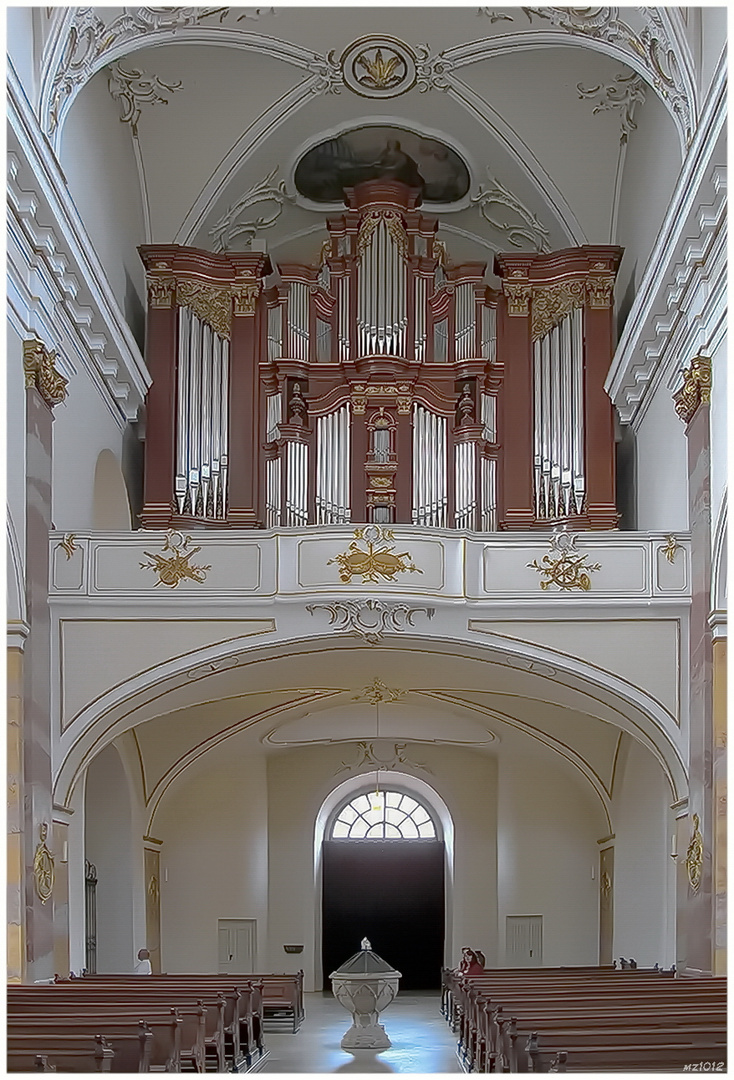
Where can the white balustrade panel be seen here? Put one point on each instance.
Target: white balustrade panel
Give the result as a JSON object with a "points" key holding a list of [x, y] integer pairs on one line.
{"points": [[560, 478], [382, 316], [298, 320], [333, 467], [465, 485], [296, 492], [202, 419], [430, 487]]}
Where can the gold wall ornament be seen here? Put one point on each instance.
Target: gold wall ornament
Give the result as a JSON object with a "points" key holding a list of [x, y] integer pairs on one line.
{"points": [[551, 304], [605, 885], [176, 567], [694, 856], [378, 692], [43, 867], [379, 72], [600, 288], [244, 295], [161, 291], [210, 303], [696, 389], [395, 227], [670, 548], [153, 889], [567, 568], [400, 394], [39, 367], [376, 560], [69, 545]]}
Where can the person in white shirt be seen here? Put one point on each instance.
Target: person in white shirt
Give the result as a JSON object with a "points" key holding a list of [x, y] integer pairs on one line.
{"points": [[143, 966]]}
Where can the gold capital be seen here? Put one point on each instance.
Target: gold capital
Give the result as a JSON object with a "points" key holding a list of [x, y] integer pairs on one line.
{"points": [[40, 372], [696, 389], [245, 294]]}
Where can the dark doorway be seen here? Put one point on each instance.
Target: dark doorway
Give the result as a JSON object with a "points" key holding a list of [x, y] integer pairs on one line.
{"points": [[392, 892]]}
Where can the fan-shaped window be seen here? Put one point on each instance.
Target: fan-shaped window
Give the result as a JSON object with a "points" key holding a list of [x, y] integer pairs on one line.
{"points": [[383, 815]]}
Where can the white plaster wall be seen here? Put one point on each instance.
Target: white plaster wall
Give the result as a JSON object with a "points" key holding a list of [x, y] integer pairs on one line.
{"points": [[84, 425], [298, 782], [21, 47], [97, 159], [662, 466], [651, 168], [15, 435], [214, 860], [110, 847], [719, 440], [548, 822], [644, 926], [713, 42]]}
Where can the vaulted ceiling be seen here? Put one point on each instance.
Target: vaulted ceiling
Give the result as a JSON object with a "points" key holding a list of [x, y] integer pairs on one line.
{"points": [[222, 103]]}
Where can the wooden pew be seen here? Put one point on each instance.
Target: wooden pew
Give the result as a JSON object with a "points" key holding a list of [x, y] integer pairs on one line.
{"points": [[242, 1021], [130, 1040], [38, 1053], [162, 1051]]}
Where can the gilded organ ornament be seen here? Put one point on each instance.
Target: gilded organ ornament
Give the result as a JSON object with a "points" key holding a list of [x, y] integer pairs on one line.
{"points": [[694, 856], [39, 367], [551, 304], [670, 548], [567, 568], [209, 303], [378, 67], [68, 545], [43, 867], [696, 389], [176, 567], [374, 561]]}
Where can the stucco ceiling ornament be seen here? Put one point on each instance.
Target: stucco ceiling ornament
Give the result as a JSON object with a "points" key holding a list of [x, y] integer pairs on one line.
{"points": [[370, 619], [431, 70], [259, 208], [530, 229], [225, 12], [133, 88], [328, 70], [624, 94], [653, 46], [88, 40], [367, 758], [378, 67], [377, 692]]}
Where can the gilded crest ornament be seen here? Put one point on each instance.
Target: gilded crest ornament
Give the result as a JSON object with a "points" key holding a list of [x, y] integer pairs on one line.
{"points": [[176, 567], [694, 856], [376, 560], [568, 568], [39, 367], [43, 867], [69, 545], [378, 67], [670, 548]]}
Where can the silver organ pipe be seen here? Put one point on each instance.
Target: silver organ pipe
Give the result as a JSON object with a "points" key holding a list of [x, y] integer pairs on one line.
{"points": [[464, 321], [441, 341], [421, 289], [296, 496], [489, 333], [275, 332], [560, 482], [298, 320], [381, 290], [489, 494], [489, 416], [273, 416], [272, 493], [332, 468], [202, 418], [465, 485], [344, 318], [430, 490]]}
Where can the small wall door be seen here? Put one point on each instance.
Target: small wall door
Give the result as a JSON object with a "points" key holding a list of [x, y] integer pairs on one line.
{"points": [[524, 941], [237, 946]]}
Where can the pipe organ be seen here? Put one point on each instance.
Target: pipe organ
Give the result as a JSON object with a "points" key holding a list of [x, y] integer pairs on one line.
{"points": [[384, 384]]}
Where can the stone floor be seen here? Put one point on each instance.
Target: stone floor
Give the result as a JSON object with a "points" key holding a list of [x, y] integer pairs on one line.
{"points": [[421, 1040]]}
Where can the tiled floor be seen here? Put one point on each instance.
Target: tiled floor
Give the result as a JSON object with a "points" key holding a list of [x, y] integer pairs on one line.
{"points": [[421, 1040]]}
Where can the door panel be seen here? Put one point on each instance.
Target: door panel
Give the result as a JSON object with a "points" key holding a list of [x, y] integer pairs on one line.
{"points": [[392, 892], [524, 941], [237, 943]]}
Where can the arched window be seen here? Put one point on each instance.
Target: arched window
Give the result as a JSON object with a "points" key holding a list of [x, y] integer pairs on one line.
{"points": [[384, 815]]}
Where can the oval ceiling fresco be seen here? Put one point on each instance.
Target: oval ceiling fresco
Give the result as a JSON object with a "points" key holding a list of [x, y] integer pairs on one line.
{"points": [[380, 152]]}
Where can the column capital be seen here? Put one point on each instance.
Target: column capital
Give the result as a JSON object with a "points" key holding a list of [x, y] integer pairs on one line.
{"points": [[39, 367], [696, 388]]}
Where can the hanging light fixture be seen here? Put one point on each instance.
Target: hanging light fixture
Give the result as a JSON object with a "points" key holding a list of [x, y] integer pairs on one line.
{"points": [[377, 799]]}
